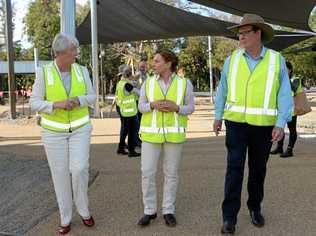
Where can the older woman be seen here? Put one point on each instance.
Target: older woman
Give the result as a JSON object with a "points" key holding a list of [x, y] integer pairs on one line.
{"points": [[62, 93], [166, 100]]}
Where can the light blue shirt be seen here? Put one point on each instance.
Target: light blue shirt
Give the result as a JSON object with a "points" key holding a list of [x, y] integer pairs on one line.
{"points": [[284, 97]]}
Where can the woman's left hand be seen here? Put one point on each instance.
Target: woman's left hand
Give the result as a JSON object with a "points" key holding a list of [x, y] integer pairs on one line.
{"points": [[169, 106], [74, 102]]}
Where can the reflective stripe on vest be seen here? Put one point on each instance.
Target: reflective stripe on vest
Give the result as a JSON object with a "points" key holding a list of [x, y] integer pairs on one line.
{"points": [[260, 107], [251, 111], [155, 125], [156, 130], [61, 120], [73, 124]]}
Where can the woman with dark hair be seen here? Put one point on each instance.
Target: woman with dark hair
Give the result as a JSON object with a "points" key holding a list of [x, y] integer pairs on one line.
{"points": [[166, 100], [296, 87]]}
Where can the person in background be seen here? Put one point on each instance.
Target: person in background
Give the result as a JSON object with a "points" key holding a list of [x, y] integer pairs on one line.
{"points": [[143, 69], [121, 150], [137, 86], [62, 93], [166, 100], [181, 72], [296, 86], [126, 105]]}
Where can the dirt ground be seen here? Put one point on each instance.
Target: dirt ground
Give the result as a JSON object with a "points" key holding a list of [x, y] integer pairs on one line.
{"points": [[115, 196]]}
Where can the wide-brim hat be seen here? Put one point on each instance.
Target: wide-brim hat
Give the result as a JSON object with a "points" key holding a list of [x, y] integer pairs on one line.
{"points": [[255, 20]]}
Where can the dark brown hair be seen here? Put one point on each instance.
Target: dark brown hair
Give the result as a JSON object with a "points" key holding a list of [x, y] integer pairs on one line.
{"points": [[290, 68], [169, 56]]}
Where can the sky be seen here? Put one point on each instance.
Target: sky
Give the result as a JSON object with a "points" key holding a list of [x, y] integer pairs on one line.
{"points": [[21, 7]]}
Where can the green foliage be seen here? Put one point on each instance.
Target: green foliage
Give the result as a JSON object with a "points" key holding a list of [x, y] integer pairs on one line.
{"points": [[312, 20], [303, 62], [42, 23], [195, 60]]}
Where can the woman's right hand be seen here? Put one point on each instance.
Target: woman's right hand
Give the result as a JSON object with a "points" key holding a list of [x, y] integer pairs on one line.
{"points": [[157, 105], [65, 105]]}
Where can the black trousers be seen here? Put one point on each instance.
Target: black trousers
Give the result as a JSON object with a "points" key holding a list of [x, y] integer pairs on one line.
{"points": [[293, 134], [240, 139], [129, 127]]}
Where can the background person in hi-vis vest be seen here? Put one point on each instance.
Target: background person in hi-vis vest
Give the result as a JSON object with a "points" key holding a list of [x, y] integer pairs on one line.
{"points": [[62, 93], [254, 99], [126, 96], [166, 100], [296, 86]]}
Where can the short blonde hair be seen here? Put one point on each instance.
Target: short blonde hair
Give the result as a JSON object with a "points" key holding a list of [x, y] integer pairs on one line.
{"points": [[62, 42]]}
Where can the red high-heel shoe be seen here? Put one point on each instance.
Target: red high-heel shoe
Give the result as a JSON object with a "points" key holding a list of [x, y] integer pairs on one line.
{"points": [[62, 230], [88, 222]]}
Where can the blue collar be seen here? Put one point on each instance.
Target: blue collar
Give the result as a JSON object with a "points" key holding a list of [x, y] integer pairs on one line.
{"points": [[261, 56]]}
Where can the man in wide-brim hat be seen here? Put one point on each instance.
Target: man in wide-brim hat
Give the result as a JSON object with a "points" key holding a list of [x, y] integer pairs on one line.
{"points": [[254, 99], [256, 22]]}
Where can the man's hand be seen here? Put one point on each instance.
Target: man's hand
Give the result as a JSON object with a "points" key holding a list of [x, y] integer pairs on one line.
{"points": [[217, 126], [277, 134]]}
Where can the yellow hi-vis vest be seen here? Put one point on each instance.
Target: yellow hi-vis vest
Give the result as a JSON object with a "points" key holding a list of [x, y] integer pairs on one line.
{"points": [[161, 127], [61, 120], [252, 96], [127, 103]]}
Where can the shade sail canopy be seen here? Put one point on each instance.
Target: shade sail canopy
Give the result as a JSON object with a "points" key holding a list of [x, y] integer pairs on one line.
{"points": [[284, 39], [134, 20], [311, 48], [291, 13]]}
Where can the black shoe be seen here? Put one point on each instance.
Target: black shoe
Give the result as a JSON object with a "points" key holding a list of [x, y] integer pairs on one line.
{"points": [[287, 153], [145, 220], [228, 228], [170, 220], [121, 152], [257, 218], [277, 150], [133, 154]]}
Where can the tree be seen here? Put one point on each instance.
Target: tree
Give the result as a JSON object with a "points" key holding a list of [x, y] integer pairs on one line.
{"points": [[304, 62], [2, 23], [312, 20], [42, 23], [194, 59]]}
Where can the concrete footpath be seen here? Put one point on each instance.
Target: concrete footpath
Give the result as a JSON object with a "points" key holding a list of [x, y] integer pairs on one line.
{"points": [[115, 196]]}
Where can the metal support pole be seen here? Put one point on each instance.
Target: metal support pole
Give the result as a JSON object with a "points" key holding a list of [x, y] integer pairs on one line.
{"points": [[11, 79], [94, 47], [36, 58], [101, 75], [210, 65], [67, 16]]}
